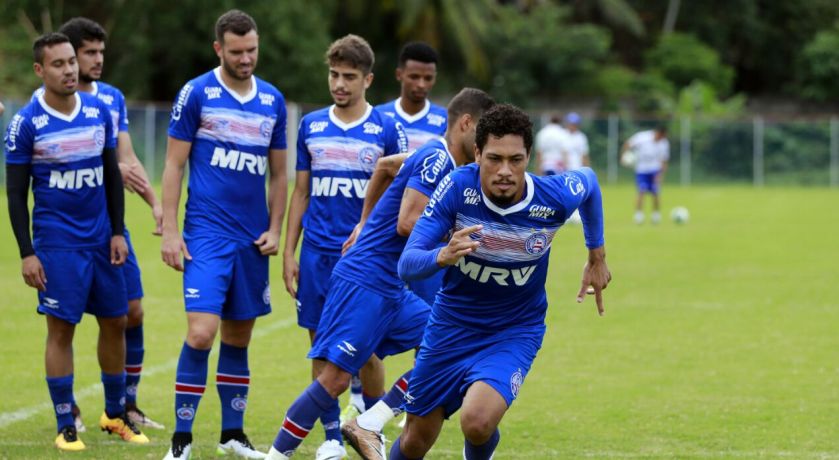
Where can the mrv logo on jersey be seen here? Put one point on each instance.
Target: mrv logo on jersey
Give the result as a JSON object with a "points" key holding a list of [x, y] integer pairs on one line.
{"points": [[333, 186], [483, 273], [239, 161], [75, 179]]}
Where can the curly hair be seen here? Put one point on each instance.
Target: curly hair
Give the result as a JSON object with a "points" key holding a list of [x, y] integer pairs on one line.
{"points": [[417, 51], [501, 120]]}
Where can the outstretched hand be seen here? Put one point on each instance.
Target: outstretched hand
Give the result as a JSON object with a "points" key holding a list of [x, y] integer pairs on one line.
{"points": [[596, 277], [460, 244]]}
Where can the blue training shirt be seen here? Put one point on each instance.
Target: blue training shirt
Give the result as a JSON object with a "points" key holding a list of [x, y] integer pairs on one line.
{"points": [[501, 284], [427, 124], [231, 137], [341, 158], [65, 153], [372, 261], [112, 97]]}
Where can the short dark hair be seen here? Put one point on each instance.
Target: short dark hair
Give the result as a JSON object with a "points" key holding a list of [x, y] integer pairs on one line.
{"points": [[353, 50], [50, 39], [417, 51], [80, 29], [236, 22], [661, 127], [469, 100], [501, 120]]}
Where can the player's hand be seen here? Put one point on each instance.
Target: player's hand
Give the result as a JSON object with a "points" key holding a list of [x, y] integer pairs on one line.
{"points": [[171, 248], [351, 239], [291, 274], [157, 215], [268, 243], [459, 245], [596, 277], [119, 250], [33, 273], [132, 179]]}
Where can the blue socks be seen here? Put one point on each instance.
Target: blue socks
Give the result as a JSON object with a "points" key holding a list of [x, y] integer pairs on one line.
{"points": [[396, 453], [301, 417], [61, 393], [190, 380], [370, 401], [396, 395], [114, 385], [331, 421], [484, 451], [232, 381], [134, 352]]}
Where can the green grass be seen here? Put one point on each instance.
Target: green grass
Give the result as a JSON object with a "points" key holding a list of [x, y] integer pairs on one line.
{"points": [[719, 341]]}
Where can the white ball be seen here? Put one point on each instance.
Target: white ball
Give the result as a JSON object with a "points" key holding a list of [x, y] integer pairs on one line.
{"points": [[628, 159], [680, 215]]}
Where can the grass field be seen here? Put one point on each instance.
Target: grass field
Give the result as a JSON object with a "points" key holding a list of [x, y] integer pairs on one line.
{"points": [[720, 340]]}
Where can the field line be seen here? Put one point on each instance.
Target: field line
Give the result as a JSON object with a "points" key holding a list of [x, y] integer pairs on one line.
{"points": [[25, 413]]}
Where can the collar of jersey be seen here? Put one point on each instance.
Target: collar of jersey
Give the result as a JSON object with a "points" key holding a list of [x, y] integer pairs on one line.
{"points": [[442, 140], [58, 114], [348, 126], [516, 207], [397, 105], [242, 99]]}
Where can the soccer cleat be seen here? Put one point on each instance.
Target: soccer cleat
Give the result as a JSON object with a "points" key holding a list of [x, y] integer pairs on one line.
{"points": [[77, 419], [139, 418], [124, 427], [274, 454], [181, 447], [240, 446], [68, 440], [369, 444], [349, 413], [639, 217], [331, 450]]}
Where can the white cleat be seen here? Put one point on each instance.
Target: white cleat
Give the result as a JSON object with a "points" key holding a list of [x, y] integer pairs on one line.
{"points": [[178, 452], [140, 419], [274, 454], [331, 450], [242, 448]]}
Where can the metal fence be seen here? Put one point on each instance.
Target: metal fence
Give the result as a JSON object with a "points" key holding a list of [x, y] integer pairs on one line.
{"points": [[757, 151]]}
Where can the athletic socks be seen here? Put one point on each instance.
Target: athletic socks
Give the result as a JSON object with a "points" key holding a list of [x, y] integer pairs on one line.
{"points": [[484, 451], [114, 385], [396, 453], [232, 381], [134, 352], [61, 393], [190, 380], [369, 401], [355, 393], [331, 421], [301, 417], [375, 418]]}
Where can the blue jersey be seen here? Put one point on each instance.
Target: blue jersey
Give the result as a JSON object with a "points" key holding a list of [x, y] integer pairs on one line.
{"points": [[231, 137], [372, 261], [111, 97], [427, 124], [502, 284], [341, 158], [65, 153]]}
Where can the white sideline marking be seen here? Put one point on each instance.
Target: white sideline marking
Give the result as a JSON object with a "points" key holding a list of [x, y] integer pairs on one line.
{"points": [[8, 418]]}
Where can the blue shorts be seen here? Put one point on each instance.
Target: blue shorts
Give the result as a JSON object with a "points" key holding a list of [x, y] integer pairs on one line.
{"points": [[131, 272], [315, 272], [81, 281], [427, 288], [646, 182], [227, 278], [452, 358], [358, 322]]}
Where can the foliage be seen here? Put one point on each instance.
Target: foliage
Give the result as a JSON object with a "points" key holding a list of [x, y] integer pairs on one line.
{"points": [[683, 58], [820, 66]]}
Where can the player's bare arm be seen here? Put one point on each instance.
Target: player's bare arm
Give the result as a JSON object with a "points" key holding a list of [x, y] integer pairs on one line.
{"points": [[596, 277], [269, 241], [136, 179], [173, 245], [413, 203], [297, 206], [460, 244]]}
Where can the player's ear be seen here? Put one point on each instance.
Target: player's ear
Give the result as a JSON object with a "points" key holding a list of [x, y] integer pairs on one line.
{"points": [[368, 80], [465, 122], [217, 48], [39, 70], [398, 73]]}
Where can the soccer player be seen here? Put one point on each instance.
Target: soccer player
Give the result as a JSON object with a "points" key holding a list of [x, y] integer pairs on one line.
{"points": [[88, 39], [64, 142], [337, 150], [576, 150], [551, 143], [652, 152], [488, 321], [230, 126]]}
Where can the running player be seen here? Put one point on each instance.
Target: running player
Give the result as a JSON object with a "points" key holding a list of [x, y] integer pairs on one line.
{"points": [[337, 150], [488, 321], [652, 152], [64, 142], [230, 126]]}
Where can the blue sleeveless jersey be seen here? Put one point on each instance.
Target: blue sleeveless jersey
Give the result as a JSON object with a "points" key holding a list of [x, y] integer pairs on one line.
{"points": [[65, 152], [372, 261], [341, 158], [231, 137], [427, 124]]}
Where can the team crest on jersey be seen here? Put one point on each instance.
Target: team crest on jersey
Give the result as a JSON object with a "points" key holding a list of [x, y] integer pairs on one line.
{"points": [[266, 99], [91, 112], [99, 137], [317, 126], [106, 98], [515, 382], [40, 121], [186, 413], [574, 184], [470, 196], [536, 243], [212, 92], [63, 408], [183, 96], [265, 128], [435, 120], [367, 155], [372, 128], [239, 404]]}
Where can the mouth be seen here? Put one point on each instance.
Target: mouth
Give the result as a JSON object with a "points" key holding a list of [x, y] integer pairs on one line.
{"points": [[68, 82], [504, 186]]}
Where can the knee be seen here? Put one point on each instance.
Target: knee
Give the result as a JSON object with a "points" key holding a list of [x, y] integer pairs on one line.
{"points": [[477, 427], [413, 443], [334, 380], [200, 338], [135, 313]]}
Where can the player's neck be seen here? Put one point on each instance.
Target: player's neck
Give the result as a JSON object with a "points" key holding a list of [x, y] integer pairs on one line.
{"points": [[410, 107], [351, 113], [62, 103], [241, 87], [85, 86], [456, 149]]}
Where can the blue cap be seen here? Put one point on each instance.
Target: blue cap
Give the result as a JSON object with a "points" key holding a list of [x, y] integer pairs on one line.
{"points": [[573, 118]]}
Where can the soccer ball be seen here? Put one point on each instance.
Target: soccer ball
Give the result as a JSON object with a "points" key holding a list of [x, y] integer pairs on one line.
{"points": [[628, 159], [680, 215]]}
